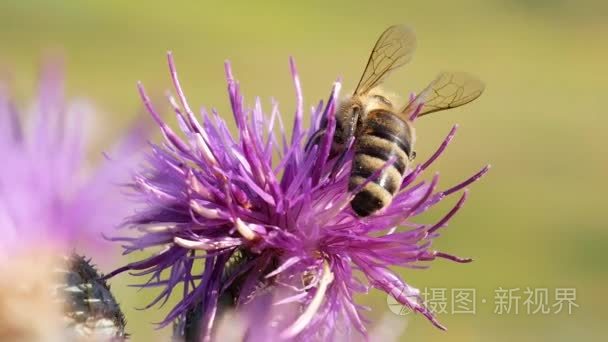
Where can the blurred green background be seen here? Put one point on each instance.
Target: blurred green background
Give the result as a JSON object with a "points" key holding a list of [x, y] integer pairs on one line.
{"points": [[536, 220]]}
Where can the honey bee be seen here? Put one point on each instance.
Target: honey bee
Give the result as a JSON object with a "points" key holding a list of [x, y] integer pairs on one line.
{"points": [[382, 127]]}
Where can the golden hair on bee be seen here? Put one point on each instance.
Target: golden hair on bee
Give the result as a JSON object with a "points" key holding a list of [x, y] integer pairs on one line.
{"points": [[378, 98]]}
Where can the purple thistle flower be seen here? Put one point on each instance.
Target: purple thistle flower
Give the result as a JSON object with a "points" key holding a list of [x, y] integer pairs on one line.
{"points": [[214, 197], [49, 196], [53, 204]]}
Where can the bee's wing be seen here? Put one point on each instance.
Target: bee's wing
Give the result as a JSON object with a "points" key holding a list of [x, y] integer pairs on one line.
{"points": [[394, 48], [448, 90]]}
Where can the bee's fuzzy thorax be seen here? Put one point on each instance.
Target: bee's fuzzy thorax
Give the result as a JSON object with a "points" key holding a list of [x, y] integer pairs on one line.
{"points": [[371, 100]]}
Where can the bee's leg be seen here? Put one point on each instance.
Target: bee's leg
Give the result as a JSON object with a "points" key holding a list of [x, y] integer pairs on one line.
{"points": [[342, 156], [314, 139], [347, 139]]}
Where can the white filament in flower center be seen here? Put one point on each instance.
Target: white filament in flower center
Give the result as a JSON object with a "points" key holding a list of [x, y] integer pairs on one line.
{"points": [[298, 326], [245, 231]]}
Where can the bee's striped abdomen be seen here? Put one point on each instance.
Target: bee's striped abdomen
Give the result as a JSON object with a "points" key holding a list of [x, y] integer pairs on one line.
{"points": [[384, 135]]}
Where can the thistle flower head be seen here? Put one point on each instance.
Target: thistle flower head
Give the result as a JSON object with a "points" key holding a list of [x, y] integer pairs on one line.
{"points": [[51, 201], [48, 195], [213, 198]]}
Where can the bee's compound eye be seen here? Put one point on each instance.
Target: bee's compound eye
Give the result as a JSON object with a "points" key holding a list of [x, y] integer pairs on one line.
{"points": [[338, 139]]}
